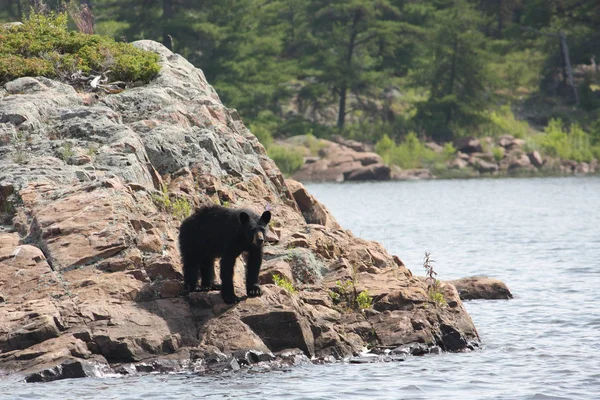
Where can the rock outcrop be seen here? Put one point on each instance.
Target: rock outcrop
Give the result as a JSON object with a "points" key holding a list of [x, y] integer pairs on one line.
{"points": [[481, 287], [337, 161], [91, 195], [511, 159]]}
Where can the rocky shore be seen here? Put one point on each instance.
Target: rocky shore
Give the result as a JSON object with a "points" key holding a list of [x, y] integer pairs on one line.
{"points": [[341, 160], [92, 191]]}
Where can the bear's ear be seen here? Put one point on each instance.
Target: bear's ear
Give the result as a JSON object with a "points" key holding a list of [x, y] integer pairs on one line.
{"points": [[244, 218], [266, 217]]}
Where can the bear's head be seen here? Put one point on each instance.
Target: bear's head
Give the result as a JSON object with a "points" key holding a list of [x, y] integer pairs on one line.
{"points": [[255, 228]]}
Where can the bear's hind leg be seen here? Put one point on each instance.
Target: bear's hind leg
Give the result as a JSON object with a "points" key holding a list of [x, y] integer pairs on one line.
{"points": [[190, 271], [207, 275]]}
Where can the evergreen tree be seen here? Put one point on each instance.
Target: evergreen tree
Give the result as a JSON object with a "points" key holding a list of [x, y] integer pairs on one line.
{"points": [[347, 40], [456, 72]]}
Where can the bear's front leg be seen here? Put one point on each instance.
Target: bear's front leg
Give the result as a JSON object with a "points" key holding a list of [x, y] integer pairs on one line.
{"points": [[252, 270], [227, 291], [254, 290]]}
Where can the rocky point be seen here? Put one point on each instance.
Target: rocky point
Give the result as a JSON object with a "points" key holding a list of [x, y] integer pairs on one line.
{"points": [[92, 191]]}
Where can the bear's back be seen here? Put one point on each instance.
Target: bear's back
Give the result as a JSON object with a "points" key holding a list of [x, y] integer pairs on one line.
{"points": [[213, 228]]}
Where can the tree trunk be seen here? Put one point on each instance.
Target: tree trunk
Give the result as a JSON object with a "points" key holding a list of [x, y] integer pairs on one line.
{"points": [[450, 88], [342, 106], [166, 17], [567, 62], [500, 19], [344, 86]]}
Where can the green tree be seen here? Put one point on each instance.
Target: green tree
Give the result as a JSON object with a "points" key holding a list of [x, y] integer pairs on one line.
{"points": [[347, 40], [456, 72]]}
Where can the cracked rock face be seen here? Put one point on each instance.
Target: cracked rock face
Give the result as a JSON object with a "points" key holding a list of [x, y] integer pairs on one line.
{"points": [[91, 197]]}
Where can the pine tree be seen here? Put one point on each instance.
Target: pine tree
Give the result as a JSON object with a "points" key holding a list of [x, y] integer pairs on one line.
{"points": [[347, 40], [456, 72]]}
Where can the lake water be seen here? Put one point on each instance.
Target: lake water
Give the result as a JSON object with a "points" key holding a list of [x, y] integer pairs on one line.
{"points": [[540, 236]]}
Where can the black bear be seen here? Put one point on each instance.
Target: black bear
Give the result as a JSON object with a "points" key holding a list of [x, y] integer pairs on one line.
{"points": [[215, 231]]}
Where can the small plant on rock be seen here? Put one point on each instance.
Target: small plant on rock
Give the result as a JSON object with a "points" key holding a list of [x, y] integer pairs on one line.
{"points": [[162, 200], [66, 151], [180, 208], [283, 282], [345, 295], [433, 285], [363, 300]]}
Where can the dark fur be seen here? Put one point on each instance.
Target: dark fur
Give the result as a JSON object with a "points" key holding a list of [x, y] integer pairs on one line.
{"points": [[215, 231]]}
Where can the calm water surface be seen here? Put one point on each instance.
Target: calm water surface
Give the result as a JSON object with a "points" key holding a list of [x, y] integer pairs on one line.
{"points": [[540, 236]]}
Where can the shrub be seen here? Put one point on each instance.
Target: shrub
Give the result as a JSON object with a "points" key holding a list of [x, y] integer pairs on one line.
{"points": [[498, 153], [503, 122], [363, 300], [384, 148], [287, 159], [43, 46], [344, 294], [411, 153], [448, 151], [314, 145], [573, 144], [181, 208]]}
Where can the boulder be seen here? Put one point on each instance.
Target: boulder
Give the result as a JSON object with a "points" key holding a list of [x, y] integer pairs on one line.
{"points": [[535, 158], [484, 166], [468, 145], [372, 172], [399, 174], [312, 211], [458, 163], [481, 287]]}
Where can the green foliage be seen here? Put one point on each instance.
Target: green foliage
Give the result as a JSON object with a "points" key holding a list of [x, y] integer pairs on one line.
{"points": [[263, 127], [518, 72], [456, 71], [43, 46], [283, 282], [503, 122], [314, 145], [289, 160], [448, 151], [433, 285], [180, 208], [411, 153], [360, 68], [574, 144], [363, 300], [498, 153], [345, 295]]}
